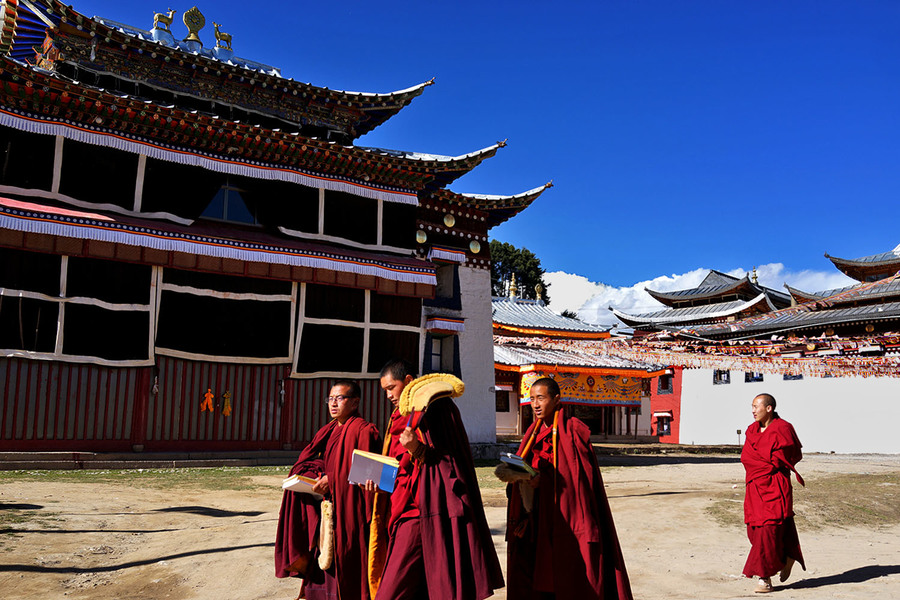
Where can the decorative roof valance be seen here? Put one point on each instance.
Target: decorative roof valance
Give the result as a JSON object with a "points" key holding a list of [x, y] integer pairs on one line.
{"points": [[99, 136], [33, 218]]}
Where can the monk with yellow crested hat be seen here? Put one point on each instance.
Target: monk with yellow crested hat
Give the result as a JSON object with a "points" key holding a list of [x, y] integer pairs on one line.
{"points": [[430, 538]]}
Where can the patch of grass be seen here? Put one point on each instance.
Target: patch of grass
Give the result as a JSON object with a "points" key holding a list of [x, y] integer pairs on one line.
{"points": [[213, 478], [844, 500], [486, 478]]}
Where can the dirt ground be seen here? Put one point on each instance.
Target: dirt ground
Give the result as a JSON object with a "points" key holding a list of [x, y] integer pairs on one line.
{"points": [[678, 519]]}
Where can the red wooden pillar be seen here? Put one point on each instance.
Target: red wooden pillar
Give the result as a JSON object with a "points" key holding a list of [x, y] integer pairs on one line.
{"points": [[141, 405]]}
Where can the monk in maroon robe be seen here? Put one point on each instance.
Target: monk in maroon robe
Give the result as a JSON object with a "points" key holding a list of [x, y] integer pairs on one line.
{"points": [[562, 542], [327, 458], [439, 543], [771, 451]]}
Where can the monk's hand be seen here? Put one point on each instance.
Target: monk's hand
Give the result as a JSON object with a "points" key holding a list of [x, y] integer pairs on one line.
{"points": [[321, 485], [408, 439], [535, 481], [369, 486]]}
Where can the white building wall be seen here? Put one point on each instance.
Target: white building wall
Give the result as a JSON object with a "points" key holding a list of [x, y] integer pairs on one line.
{"points": [[835, 414], [476, 356]]}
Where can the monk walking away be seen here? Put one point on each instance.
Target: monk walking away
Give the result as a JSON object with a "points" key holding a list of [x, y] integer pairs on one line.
{"points": [[562, 542], [771, 451], [324, 542], [430, 538]]}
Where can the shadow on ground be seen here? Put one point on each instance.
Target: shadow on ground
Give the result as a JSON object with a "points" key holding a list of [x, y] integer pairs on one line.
{"points": [[649, 460], [857, 575]]}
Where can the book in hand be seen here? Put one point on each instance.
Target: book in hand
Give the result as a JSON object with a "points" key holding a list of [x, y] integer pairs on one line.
{"points": [[300, 484], [517, 463], [376, 467]]}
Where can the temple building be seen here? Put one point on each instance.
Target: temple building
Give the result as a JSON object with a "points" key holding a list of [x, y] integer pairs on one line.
{"points": [[720, 298], [610, 394], [831, 349], [192, 247]]}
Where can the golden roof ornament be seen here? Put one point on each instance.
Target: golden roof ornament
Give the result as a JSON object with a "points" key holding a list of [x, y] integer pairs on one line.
{"points": [[539, 292], [164, 20], [513, 288], [754, 278], [222, 37], [195, 21]]}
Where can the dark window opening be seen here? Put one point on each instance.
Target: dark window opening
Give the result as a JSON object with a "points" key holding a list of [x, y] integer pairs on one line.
{"points": [[225, 283], [398, 227], [27, 159], [446, 294], [441, 354], [281, 203], [721, 377], [99, 175], [178, 189], [501, 398], [664, 385], [27, 324], [752, 377], [789, 377], [219, 327], [110, 334], [330, 348], [331, 302], [351, 217], [384, 344], [663, 426], [30, 271], [114, 282], [396, 310]]}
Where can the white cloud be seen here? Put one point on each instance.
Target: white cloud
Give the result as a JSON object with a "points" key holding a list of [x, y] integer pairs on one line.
{"points": [[591, 300]]}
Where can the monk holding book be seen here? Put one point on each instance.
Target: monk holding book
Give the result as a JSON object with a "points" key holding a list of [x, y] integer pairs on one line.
{"points": [[561, 539], [430, 538], [324, 542], [771, 451]]}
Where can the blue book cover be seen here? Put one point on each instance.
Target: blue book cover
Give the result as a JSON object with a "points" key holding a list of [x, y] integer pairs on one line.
{"points": [[380, 469]]}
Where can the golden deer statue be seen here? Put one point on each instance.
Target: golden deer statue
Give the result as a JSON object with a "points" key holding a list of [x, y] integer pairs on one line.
{"points": [[222, 37], [164, 20]]}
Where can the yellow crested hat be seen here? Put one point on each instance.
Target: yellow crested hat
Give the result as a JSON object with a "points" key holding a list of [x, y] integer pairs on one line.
{"points": [[420, 392]]}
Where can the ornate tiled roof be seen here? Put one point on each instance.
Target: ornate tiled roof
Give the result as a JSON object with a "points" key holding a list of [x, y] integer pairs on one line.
{"points": [[860, 292], [829, 311], [41, 97], [498, 208], [518, 356], [866, 268], [107, 47], [694, 314], [535, 318], [719, 285]]}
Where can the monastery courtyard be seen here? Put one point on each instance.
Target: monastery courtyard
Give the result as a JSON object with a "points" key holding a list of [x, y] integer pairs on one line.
{"points": [[208, 533]]}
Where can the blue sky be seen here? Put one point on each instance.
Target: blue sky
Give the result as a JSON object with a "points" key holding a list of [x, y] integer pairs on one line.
{"points": [[680, 135]]}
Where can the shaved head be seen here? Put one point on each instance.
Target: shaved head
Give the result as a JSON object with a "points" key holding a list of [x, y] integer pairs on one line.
{"points": [[767, 399]]}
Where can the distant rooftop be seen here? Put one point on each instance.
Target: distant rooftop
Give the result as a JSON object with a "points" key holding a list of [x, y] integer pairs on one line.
{"points": [[533, 316]]}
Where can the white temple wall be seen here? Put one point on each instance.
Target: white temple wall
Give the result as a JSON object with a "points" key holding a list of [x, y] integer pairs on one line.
{"points": [[838, 414], [476, 356]]}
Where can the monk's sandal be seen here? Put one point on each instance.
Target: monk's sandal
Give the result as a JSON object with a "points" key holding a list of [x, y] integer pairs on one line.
{"points": [[764, 586]]}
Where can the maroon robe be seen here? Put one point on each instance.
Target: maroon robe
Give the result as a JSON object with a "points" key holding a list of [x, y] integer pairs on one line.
{"points": [[329, 453], [567, 546], [769, 457], [449, 541]]}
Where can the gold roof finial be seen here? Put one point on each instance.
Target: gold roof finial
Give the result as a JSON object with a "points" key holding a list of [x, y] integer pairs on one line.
{"points": [[513, 288], [539, 292], [754, 277]]}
